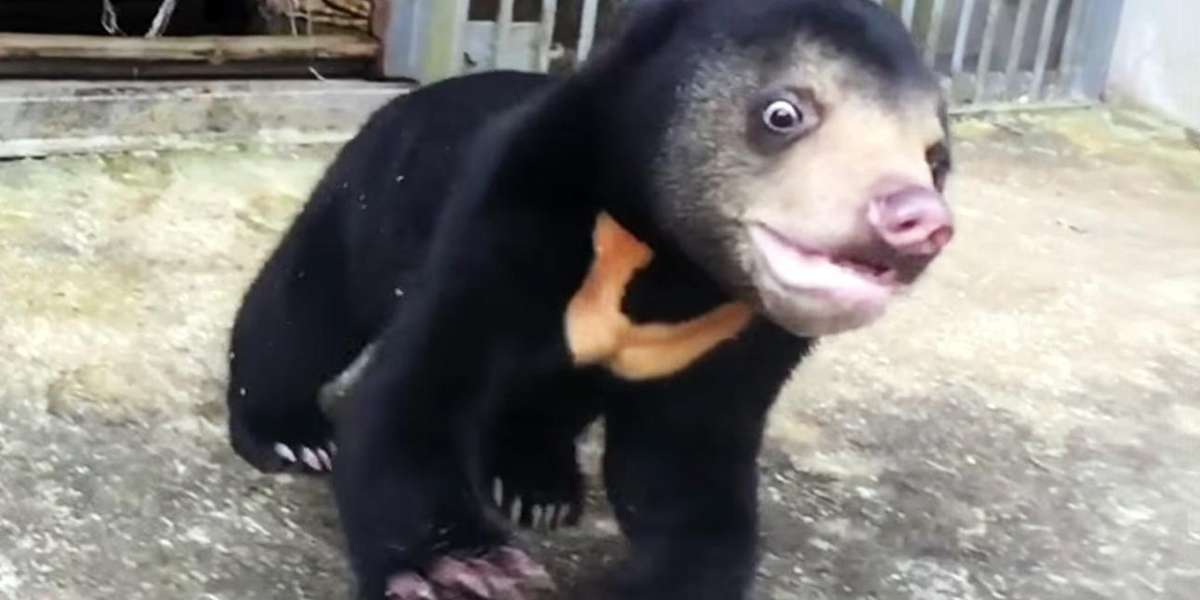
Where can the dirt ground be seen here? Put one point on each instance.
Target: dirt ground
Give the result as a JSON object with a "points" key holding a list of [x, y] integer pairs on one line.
{"points": [[1025, 426]]}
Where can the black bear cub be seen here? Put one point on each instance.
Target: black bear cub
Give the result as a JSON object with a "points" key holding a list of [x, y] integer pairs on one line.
{"points": [[498, 260]]}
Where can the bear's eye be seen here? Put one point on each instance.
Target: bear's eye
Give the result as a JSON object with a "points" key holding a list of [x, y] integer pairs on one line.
{"points": [[790, 116], [782, 116]]}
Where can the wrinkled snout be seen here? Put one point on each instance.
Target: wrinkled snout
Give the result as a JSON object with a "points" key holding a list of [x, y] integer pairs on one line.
{"points": [[914, 220]]}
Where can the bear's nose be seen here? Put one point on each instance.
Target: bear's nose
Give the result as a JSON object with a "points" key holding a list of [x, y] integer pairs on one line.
{"points": [[914, 220]]}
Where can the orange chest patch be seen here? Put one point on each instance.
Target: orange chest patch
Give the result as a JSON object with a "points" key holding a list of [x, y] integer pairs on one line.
{"points": [[599, 333]]}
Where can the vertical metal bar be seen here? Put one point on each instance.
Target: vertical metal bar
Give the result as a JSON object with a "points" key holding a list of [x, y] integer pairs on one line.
{"points": [[549, 18], [420, 39], [504, 20], [1017, 48], [462, 12], [1070, 51], [909, 12], [587, 30], [1049, 20], [1101, 23], [985, 53], [960, 39], [395, 26], [934, 38]]}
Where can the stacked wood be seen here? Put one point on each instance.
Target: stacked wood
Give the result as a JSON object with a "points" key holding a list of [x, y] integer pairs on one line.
{"points": [[212, 50], [308, 16], [39, 55]]}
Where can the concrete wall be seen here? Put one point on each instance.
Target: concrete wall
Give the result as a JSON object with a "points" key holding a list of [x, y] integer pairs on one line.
{"points": [[1157, 59]]}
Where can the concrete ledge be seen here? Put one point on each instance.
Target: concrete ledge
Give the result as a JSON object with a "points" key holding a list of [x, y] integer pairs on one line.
{"points": [[39, 118]]}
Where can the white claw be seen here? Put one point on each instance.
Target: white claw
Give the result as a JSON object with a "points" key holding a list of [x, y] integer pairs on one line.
{"points": [[324, 456], [310, 459], [537, 517], [284, 452], [332, 449], [498, 491], [515, 512]]}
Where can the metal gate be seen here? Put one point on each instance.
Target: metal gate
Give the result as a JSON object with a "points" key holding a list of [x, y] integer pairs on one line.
{"points": [[997, 53], [990, 53]]}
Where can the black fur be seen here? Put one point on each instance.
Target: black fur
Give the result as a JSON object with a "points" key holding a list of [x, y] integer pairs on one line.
{"points": [[351, 259], [476, 198]]}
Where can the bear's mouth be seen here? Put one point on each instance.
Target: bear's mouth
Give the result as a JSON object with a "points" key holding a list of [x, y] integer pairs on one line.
{"points": [[807, 270]]}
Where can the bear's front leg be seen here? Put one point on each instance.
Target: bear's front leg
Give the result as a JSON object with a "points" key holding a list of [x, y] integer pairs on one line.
{"points": [[406, 485], [680, 467]]}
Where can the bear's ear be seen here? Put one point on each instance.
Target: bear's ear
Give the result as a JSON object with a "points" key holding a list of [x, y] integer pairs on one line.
{"points": [[646, 25]]}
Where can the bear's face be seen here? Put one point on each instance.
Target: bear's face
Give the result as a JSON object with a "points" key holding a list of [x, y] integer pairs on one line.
{"points": [[807, 174]]}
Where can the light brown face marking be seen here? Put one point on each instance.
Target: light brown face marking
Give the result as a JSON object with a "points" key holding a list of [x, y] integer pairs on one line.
{"points": [[724, 175], [598, 333]]}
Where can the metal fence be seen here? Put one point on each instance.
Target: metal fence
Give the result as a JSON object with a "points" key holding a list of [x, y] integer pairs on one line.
{"points": [[990, 53], [993, 53]]}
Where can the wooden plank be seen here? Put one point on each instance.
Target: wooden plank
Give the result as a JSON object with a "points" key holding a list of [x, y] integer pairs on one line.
{"points": [[124, 115], [77, 68], [209, 50], [57, 6]]}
